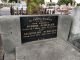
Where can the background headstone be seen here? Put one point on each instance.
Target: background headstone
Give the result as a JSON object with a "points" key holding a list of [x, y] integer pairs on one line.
{"points": [[75, 30], [64, 25]]}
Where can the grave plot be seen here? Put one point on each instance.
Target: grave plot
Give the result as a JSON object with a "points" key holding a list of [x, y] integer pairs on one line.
{"points": [[16, 30]]}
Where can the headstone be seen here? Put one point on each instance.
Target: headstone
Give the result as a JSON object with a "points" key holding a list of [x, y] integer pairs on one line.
{"points": [[11, 29], [64, 25], [75, 30], [38, 27], [0, 1]]}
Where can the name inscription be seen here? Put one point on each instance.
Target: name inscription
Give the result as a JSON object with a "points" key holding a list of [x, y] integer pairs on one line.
{"points": [[38, 27]]}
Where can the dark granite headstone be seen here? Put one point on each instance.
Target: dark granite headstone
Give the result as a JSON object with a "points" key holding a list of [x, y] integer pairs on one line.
{"points": [[38, 27]]}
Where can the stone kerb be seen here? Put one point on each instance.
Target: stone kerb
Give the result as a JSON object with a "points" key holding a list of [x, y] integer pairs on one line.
{"points": [[75, 30], [10, 30]]}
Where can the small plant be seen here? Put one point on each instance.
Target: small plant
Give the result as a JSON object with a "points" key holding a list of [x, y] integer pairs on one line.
{"points": [[60, 2], [78, 4], [13, 1], [33, 6]]}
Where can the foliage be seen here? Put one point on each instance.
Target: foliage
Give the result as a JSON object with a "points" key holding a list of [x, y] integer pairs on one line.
{"points": [[60, 2], [4, 0], [41, 1], [78, 4], [33, 6], [12, 0]]}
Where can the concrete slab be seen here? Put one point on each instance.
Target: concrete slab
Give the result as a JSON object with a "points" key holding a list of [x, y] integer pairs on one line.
{"points": [[10, 56], [64, 25], [11, 34], [10, 31], [75, 31], [57, 49]]}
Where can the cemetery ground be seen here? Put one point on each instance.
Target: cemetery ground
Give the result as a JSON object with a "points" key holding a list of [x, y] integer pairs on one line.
{"points": [[49, 50]]}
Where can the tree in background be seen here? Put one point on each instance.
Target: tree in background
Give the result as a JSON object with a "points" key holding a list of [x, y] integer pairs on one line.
{"points": [[13, 0], [78, 4], [4, 0], [33, 6], [60, 2]]}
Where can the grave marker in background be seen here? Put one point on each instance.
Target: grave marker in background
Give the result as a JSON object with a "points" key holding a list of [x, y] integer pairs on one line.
{"points": [[75, 30]]}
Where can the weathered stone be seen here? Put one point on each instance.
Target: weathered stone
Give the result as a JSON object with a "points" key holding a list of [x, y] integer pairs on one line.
{"points": [[64, 25], [11, 35], [1, 49], [75, 30], [10, 56], [1, 53], [11, 32], [52, 49]]}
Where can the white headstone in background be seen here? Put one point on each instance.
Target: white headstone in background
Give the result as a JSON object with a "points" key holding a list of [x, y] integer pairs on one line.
{"points": [[23, 3], [75, 31], [45, 1], [0, 1], [76, 21]]}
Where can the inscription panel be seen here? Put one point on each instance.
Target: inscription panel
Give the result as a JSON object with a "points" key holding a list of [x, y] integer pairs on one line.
{"points": [[38, 27]]}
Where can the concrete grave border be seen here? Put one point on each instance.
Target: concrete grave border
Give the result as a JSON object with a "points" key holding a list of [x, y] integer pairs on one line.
{"points": [[10, 30]]}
